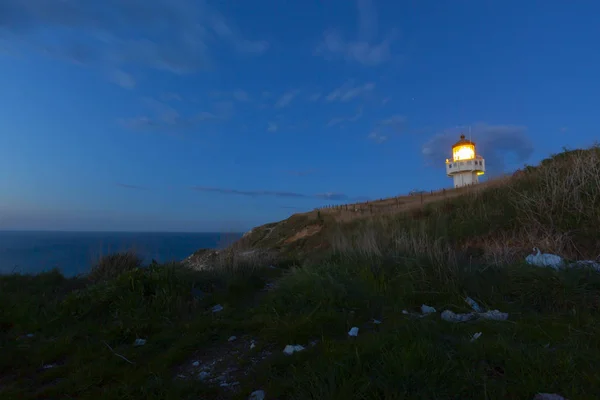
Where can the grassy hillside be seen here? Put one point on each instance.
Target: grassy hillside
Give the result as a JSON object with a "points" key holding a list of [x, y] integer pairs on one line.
{"points": [[74, 338]]}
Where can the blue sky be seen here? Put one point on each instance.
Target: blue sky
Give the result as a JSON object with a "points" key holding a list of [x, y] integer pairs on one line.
{"points": [[186, 115]]}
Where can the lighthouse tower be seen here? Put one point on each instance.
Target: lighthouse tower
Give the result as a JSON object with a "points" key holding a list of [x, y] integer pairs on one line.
{"points": [[466, 166]]}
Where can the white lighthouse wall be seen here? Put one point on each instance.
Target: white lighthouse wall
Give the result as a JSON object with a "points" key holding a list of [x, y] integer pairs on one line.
{"points": [[465, 179], [454, 167]]}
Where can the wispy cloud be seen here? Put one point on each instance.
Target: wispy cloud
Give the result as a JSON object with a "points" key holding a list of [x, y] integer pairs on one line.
{"points": [[272, 127], [331, 196], [387, 127], [341, 120], [364, 50], [496, 143], [348, 91], [302, 172], [165, 117], [171, 97], [132, 187], [122, 79], [314, 96], [377, 137], [168, 35], [232, 35], [286, 98], [241, 95]]}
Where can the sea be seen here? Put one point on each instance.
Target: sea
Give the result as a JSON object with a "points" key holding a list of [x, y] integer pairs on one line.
{"points": [[74, 253]]}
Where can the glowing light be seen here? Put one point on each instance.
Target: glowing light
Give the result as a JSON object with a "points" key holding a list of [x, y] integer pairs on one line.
{"points": [[463, 152], [480, 173]]}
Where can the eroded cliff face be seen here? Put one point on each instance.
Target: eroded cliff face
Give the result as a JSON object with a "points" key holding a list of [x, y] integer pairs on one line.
{"points": [[283, 243]]}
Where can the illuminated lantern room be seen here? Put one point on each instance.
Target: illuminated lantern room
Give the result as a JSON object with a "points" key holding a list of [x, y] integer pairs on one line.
{"points": [[466, 165]]}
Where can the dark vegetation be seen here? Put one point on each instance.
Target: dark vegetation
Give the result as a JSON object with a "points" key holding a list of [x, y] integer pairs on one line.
{"points": [[82, 330]]}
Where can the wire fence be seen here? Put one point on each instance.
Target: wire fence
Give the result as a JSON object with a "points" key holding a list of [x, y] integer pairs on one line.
{"points": [[402, 202]]}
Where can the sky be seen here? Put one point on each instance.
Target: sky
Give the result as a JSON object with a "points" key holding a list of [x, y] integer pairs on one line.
{"points": [[191, 115]]}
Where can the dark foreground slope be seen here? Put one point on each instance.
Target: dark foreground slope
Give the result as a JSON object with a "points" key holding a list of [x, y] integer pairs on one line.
{"points": [[74, 338]]}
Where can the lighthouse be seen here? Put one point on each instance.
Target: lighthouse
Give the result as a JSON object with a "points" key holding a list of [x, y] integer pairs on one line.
{"points": [[466, 165]]}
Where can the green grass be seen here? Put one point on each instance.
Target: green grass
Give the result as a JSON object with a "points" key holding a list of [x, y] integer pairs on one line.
{"points": [[472, 246], [550, 343]]}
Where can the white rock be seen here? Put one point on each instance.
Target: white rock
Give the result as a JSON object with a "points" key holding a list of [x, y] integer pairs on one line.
{"points": [[376, 321], [494, 315], [257, 395], [30, 335], [548, 396], [425, 309], [217, 308], [475, 336], [404, 312], [291, 349], [252, 345], [139, 342], [232, 338], [473, 305], [203, 375], [49, 366], [452, 317], [196, 363], [544, 260], [353, 331]]}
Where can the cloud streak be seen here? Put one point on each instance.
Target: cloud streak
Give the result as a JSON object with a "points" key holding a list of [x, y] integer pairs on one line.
{"points": [[331, 196], [348, 92], [166, 118], [169, 35], [387, 127], [340, 120], [286, 99], [132, 187], [364, 50]]}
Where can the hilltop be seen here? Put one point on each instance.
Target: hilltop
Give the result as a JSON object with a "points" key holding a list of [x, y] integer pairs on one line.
{"points": [[399, 270], [552, 206]]}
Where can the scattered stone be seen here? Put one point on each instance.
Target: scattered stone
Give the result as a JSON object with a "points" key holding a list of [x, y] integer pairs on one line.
{"points": [[475, 336], [473, 305], [425, 309], [252, 345], [452, 317], [229, 384], [49, 366], [217, 308], [544, 260], [586, 264], [196, 364], [405, 312], [203, 375], [139, 342], [353, 332], [232, 338], [291, 349], [548, 396], [314, 343], [376, 321], [494, 315], [257, 395]]}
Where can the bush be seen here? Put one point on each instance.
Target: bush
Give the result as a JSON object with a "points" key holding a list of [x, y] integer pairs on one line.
{"points": [[111, 266]]}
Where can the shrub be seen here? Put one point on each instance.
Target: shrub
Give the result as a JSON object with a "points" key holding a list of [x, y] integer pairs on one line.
{"points": [[111, 266]]}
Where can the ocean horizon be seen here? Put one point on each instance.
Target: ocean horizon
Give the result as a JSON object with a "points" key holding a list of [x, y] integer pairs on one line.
{"points": [[74, 253]]}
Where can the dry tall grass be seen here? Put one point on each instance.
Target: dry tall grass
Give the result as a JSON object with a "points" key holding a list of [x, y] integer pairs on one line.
{"points": [[555, 207]]}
